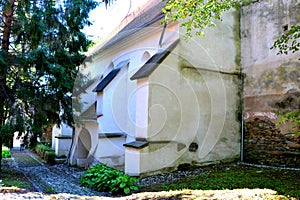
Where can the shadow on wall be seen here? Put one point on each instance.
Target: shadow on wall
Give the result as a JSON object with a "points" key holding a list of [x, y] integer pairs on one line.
{"points": [[83, 147]]}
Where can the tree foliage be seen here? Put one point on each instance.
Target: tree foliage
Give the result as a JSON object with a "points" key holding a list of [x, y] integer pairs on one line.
{"points": [[198, 14], [42, 45], [289, 41]]}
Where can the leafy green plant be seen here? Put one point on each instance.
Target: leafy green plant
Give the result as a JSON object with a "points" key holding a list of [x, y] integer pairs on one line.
{"points": [[289, 41], [49, 157], [292, 116], [103, 178], [6, 153], [197, 14], [45, 152], [40, 149]]}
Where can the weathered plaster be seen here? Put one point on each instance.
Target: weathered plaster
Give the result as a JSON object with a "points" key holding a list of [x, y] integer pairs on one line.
{"points": [[271, 83], [196, 103], [267, 74]]}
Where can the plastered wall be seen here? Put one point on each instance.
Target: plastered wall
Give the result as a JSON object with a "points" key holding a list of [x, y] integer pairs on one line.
{"points": [[271, 82]]}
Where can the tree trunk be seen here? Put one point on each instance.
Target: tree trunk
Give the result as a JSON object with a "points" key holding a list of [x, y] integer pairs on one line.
{"points": [[7, 17]]}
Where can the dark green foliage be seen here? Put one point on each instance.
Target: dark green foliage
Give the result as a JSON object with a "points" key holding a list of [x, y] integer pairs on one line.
{"points": [[288, 42], [42, 45], [14, 178], [41, 148], [7, 132], [49, 157], [104, 178], [45, 152]]}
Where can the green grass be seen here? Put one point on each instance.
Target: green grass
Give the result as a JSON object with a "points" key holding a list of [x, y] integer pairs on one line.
{"points": [[12, 178], [49, 190], [236, 177], [217, 177]]}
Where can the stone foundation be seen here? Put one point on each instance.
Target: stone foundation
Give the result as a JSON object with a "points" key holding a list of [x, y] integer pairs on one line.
{"points": [[265, 144]]}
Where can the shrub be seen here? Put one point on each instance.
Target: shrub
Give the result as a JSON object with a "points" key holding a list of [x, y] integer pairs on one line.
{"points": [[45, 152], [38, 149], [41, 149], [106, 179], [6, 153], [49, 157]]}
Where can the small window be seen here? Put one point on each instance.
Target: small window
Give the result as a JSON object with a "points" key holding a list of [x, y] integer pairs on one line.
{"points": [[285, 27]]}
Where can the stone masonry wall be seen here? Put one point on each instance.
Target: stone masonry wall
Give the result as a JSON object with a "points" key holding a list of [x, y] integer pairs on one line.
{"points": [[265, 144]]}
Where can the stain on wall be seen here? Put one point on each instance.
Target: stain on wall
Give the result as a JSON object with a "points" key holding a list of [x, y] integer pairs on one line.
{"points": [[271, 83]]}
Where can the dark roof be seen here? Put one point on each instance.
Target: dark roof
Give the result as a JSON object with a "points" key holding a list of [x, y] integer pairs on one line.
{"points": [[104, 82], [153, 62], [145, 19], [110, 76]]}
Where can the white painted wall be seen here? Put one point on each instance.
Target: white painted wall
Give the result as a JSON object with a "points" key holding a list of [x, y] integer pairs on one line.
{"points": [[111, 151], [92, 128], [188, 104], [99, 104], [61, 146], [176, 105], [119, 97], [142, 98]]}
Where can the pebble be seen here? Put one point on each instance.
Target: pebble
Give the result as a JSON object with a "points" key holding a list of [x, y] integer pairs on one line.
{"points": [[168, 177], [59, 179]]}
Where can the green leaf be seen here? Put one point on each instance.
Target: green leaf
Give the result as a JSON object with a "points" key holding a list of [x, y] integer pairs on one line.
{"points": [[126, 190], [122, 185]]}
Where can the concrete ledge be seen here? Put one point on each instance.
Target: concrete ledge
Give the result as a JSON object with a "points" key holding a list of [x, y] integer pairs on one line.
{"points": [[60, 160], [136, 144], [63, 137], [111, 135]]}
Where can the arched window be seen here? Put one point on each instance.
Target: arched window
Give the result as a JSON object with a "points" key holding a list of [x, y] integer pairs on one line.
{"points": [[146, 56]]}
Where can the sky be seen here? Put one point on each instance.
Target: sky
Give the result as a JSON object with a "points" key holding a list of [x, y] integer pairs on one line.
{"points": [[106, 19]]}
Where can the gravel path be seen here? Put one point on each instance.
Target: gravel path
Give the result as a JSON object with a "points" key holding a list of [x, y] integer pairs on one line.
{"points": [[63, 180], [46, 179]]}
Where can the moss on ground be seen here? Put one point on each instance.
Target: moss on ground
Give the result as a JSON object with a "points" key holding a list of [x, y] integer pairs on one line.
{"points": [[221, 177], [14, 178]]}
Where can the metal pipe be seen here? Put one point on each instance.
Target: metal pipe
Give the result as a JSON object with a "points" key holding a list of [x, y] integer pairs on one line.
{"points": [[241, 96], [162, 36]]}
